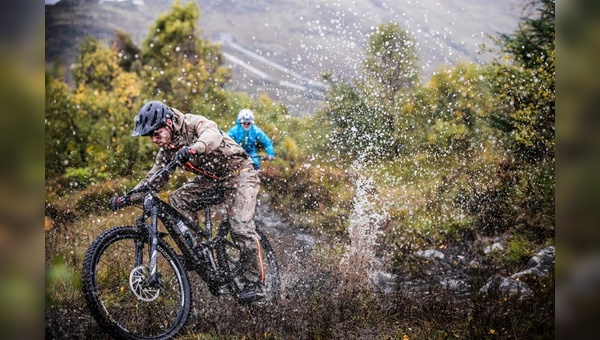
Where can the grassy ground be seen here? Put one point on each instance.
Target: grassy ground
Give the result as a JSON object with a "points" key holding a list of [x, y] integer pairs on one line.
{"points": [[331, 302]]}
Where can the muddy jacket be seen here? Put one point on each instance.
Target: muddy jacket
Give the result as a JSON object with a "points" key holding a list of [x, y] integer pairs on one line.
{"points": [[217, 155], [250, 139]]}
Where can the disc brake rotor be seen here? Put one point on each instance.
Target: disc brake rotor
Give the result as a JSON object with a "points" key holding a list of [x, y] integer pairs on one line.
{"points": [[140, 284]]}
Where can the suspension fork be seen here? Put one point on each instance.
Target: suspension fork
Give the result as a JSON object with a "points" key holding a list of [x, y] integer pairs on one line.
{"points": [[152, 243], [207, 251], [139, 243]]}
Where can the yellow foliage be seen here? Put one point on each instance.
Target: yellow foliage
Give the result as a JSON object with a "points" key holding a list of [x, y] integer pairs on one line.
{"points": [[290, 148]]}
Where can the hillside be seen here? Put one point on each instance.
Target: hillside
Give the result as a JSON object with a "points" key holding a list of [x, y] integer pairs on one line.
{"points": [[419, 212], [308, 37]]}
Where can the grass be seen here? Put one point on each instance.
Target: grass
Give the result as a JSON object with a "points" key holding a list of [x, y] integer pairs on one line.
{"points": [[337, 306], [332, 301]]}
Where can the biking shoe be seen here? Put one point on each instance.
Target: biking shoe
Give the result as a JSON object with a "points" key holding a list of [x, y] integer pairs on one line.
{"points": [[252, 292]]}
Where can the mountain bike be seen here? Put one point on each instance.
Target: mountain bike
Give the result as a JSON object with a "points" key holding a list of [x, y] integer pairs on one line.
{"points": [[135, 278]]}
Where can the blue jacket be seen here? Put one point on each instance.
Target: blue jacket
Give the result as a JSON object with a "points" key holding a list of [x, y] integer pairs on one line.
{"points": [[250, 139]]}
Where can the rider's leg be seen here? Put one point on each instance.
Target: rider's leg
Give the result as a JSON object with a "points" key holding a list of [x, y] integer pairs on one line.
{"points": [[241, 205], [251, 259], [186, 198]]}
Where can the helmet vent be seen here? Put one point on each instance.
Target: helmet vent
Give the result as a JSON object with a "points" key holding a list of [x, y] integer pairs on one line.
{"points": [[151, 117], [154, 118]]}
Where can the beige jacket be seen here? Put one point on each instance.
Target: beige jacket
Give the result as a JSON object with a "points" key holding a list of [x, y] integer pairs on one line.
{"points": [[217, 155]]}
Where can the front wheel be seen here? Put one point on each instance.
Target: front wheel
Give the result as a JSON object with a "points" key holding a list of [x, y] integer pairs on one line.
{"points": [[119, 291]]}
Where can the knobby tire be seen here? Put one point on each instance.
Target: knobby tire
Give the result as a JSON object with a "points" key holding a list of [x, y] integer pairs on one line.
{"points": [[228, 257], [160, 313], [273, 276]]}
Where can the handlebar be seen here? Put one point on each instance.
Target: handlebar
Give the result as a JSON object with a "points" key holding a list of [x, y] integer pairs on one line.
{"points": [[116, 203], [167, 170]]}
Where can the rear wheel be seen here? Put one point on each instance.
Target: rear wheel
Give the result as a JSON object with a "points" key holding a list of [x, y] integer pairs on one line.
{"points": [[272, 281], [228, 256], [119, 292]]}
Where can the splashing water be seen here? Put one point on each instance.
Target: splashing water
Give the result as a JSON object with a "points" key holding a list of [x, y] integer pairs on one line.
{"points": [[365, 221]]}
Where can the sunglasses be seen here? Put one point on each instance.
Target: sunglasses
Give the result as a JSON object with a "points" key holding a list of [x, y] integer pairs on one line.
{"points": [[246, 123]]}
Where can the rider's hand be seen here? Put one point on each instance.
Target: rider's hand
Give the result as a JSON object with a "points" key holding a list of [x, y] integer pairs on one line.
{"points": [[116, 202], [270, 158], [183, 155]]}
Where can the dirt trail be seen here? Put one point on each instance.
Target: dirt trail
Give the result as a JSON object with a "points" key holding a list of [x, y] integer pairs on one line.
{"points": [[293, 245]]}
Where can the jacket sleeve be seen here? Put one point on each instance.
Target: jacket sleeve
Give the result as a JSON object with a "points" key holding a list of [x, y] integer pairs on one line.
{"points": [[266, 142], [209, 137]]}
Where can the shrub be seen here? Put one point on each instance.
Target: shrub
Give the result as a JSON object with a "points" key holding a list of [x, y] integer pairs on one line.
{"points": [[79, 178]]}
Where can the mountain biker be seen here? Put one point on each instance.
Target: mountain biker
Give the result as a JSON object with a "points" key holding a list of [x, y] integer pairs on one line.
{"points": [[250, 136], [201, 147]]}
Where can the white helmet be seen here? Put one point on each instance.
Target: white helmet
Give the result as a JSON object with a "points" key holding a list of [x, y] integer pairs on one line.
{"points": [[246, 116]]}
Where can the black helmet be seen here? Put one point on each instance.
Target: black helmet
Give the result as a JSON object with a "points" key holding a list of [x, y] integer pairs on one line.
{"points": [[152, 116]]}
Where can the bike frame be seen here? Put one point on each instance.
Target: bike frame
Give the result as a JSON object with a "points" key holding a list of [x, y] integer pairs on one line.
{"points": [[201, 255], [163, 265]]}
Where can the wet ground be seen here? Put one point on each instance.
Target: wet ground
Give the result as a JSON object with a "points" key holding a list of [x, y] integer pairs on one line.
{"points": [[309, 271]]}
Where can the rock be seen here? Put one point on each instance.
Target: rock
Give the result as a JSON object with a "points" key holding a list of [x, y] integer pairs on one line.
{"points": [[538, 266], [494, 247], [383, 281], [430, 254], [507, 286], [454, 284]]}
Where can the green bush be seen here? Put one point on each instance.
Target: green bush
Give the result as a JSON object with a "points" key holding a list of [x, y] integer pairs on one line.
{"points": [[319, 194], [79, 178]]}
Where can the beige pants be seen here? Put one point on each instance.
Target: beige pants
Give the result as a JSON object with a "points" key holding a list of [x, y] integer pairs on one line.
{"points": [[241, 192]]}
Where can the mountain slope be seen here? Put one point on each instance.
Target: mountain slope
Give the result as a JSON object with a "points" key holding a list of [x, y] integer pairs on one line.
{"points": [[307, 37]]}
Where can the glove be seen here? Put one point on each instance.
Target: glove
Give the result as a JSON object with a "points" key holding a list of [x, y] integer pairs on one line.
{"points": [[117, 202], [270, 158], [183, 155]]}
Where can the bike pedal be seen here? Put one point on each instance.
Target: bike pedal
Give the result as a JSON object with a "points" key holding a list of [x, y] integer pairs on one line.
{"points": [[252, 292]]}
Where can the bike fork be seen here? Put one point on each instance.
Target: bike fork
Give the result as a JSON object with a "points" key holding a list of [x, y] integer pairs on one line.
{"points": [[152, 251]]}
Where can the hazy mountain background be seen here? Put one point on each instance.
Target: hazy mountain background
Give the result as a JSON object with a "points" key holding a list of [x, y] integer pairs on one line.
{"points": [[282, 47]]}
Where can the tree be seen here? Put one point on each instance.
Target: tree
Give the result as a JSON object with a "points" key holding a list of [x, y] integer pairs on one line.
{"points": [[88, 127], [129, 54], [179, 67], [96, 65], [64, 145], [532, 44], [459, 101], [526, 87], [364, 113], [173, 38], [358, 128], [391, 61]]}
